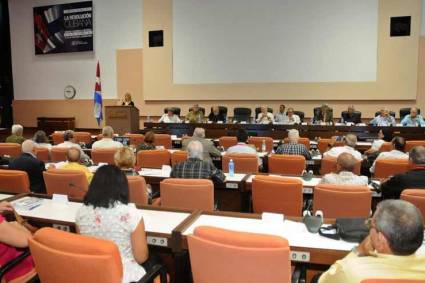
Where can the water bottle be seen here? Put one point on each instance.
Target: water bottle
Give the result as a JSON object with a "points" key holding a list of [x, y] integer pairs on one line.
{"points": [[231, 168], [263, 146]]}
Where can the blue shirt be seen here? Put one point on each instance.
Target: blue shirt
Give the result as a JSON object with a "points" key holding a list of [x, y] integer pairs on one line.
{"points": [[413, 122], [383, 121]]}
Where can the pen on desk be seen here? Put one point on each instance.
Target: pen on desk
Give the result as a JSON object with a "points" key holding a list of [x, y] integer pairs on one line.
{"points": [[35, 206]]}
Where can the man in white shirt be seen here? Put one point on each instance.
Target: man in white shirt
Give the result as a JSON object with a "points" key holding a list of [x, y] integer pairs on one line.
{"points": [[291, 118], [396, 153], [384, 119], [280, 116], [169, 117], [68, 137], [350, 141], [345, 165], [107, 141], [264, 117]]}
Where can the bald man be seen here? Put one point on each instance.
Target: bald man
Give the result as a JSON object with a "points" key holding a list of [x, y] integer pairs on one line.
{"points": [[345, 165], [73, 158], [29, 163]]}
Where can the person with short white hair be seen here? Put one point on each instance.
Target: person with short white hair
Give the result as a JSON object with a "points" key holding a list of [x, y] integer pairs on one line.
{"points": [[383, 119], [16, 136], [350, 141], [209, 150], [29, 163], [414, 119], [345, 166], [69, 141], [107, 139], [196, 168], [293, 147], [169, 117], [291, 118], [264, 117]]}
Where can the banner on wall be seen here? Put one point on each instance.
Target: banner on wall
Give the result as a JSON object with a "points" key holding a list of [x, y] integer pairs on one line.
{"points": [[63, 28]]}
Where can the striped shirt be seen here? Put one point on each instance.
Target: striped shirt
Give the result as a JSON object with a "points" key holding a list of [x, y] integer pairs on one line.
{"points": [[194, 168]]}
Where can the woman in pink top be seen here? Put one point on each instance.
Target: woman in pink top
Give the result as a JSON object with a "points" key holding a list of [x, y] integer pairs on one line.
{"points": [[12, 237]]}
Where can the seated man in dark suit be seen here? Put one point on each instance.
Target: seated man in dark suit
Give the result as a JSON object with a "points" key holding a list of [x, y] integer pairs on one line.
{"points": [[29, 163], [350, 116], [196, 168], [216, 116], [323, 114], [415, 178]]}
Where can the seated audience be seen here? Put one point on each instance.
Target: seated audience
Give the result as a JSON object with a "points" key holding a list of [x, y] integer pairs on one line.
{"points": [[195, 115], [29, 163], [216, 116], [106, 214], [196, 168], [169, 117], [388, 252], [280, 117], [323, 114], [127, 100], [12, 238], [16, 137], [148, 143], [413, 119], [209, 150], [291, 118], [383, 119], [293, 147], [107, 139], [73, 163], [350, 117], [242, 146], [345, 165], [125, 160], [264, 117], [350, 142], [384, 135], [415, 178], [41, 140], [69, 142], [397, 153]]}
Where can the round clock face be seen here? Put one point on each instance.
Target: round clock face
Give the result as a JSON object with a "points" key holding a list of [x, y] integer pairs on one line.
{"points": [[69, 92]]}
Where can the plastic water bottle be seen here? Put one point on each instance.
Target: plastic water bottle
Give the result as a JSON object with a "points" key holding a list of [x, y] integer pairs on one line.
{"points": [[263, 146], [231, 168]]}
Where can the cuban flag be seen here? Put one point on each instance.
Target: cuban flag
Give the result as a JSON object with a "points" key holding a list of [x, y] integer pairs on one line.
{"points": [[98, 97]]}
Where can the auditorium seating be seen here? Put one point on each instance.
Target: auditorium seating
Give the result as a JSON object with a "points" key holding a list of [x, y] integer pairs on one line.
{"points": [[258, 143], [386, 146], [57, 138], [342, 200], [415, 196], [412, 144], [244, 162], [58, 154], [163, 140], [286, 164], [176, 110], [14, 181], [10, 149], [304, 141], [242, 114], [300, 114], [42, 153], [82, 137], [103, 155], [277, 195], [219, 255], [135, 139], [328, 165], [153, 158], [72, 183], [178, 156], [406, 111], [227, 141], [258, 110], [356, 114], [385, 168], [187, 194], [137, 190]]}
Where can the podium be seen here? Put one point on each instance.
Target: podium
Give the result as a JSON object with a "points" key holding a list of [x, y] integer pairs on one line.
{"points": [[123, 119]]}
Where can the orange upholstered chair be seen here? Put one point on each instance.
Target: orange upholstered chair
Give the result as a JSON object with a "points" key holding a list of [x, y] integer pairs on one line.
{"points": [[66, 257], [58, 154], [218, 255], [412, 144], [258, 143], [286, 164], [388, 167], [304, 141], [137, 190], [323, 145], [392, 281], [187, 193], [57, 138], [14, 181], [103, 155], [178, 156], [84, 137], [386, 146], [153, 158], [415, 196], [42, 153], [163, 140], [67, 182], [244, 162], [342, 200], [11, 149], [227, 141], [135, 139], [328, 165], [277, 194]]}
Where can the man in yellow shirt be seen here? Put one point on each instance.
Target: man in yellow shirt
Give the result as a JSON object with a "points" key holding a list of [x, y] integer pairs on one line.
{"points": [[73, 163], [390, 251]]}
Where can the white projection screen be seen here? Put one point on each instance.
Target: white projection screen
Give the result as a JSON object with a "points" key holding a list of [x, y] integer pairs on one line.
{"points": [[272, 41]]}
